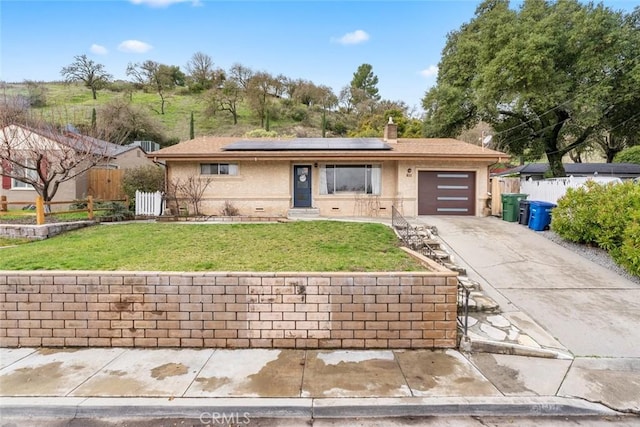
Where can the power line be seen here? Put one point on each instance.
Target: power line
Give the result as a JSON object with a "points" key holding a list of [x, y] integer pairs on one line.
{"points": [[608, 76]]}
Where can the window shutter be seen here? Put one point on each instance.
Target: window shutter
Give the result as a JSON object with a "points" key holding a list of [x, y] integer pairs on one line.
{"points": [[6, 180], [44, 167]]}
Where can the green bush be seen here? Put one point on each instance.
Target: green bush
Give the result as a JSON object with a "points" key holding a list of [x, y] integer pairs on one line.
{"points": [[261, 133], [574, 217], [299, 114], [616, 205], [148, 178], [112, 211], [628, 254], [104, 211], [607, 216], [629, 155]]}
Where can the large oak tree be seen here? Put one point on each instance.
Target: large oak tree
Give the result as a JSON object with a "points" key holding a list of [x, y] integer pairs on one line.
{"points": [[86, 70], [158, 77], [549, 77]]}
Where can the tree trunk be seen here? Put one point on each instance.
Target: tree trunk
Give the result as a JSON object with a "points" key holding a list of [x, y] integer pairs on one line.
{"points": [[94, 92], [556, 168], [324, 123]]}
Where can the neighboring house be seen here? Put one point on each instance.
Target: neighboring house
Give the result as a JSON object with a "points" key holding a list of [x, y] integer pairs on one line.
{"points": [[334, 176], [536, 171], [111, 157]]}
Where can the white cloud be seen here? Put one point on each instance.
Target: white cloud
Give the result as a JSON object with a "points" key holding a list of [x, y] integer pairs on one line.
{"points": [[134, 46], [430, 71], [358, 36], [98, 49], [165, 3]]}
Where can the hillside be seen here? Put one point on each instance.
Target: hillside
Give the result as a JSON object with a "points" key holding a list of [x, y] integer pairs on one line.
{"points": [[72, 103]]}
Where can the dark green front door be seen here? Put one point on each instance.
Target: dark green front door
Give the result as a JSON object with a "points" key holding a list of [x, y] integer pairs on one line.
{"points": [[302, 186]]}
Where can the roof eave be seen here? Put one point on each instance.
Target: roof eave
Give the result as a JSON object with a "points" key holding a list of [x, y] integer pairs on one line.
{"points": [[319, 155]]}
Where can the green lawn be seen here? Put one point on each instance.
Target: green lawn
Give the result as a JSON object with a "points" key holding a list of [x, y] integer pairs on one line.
{"points": [[5, 241], [277, 247]]}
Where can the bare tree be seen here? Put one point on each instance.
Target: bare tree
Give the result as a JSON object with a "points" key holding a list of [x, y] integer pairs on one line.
{"points": [[192, 189], [159, 77], [241, 75], [202, 73], [91, 73], [225, 98], [259, 92], [36, 93], [136, 121], [39, 155], [278, 85]]}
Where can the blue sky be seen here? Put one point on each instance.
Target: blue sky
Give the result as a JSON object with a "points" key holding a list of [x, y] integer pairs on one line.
{"points": [[323, 41]]}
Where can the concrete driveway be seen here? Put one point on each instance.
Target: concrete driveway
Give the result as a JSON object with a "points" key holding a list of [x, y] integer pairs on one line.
{"points": [[590, 310]]}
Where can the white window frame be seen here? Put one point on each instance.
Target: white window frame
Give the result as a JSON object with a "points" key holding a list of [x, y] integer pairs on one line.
{"points": [[221, 169], [16, 184], [372, 180]]}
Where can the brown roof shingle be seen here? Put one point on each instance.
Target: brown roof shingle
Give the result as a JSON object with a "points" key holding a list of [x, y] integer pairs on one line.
{"points": [[208, 147]]}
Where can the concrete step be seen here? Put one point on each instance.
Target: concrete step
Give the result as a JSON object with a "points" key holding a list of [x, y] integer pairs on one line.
{"points": [[433, 244], [453, 267], [303, 213], [480, 303], [442, 255]]}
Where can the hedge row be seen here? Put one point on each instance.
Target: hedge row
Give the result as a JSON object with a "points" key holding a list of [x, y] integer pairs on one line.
{"points": [[604, 215]]}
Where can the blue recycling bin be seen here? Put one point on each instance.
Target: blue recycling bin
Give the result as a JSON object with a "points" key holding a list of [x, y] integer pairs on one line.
{"points": [[540, 214]]}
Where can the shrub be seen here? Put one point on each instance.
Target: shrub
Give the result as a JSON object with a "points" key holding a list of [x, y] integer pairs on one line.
{"points": [[629, 155], [574, 217], [299, 114], [604, 215], [261, 133], [628, 255], [228, 209], [112, 211], [616, 204], [148, 178]]}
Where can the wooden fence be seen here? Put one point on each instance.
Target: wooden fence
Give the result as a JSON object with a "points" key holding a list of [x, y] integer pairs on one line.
{"points": [[499, 186], [42, 208], [105, 184]]}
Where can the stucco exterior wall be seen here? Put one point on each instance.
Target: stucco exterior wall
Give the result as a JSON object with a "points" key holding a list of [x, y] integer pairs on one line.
{"points": [[266, 188], [260, 188], [66, 192], [132, 159]]}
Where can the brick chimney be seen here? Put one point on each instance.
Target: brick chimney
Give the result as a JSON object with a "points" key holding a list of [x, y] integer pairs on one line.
{"points": [[391, 132]]}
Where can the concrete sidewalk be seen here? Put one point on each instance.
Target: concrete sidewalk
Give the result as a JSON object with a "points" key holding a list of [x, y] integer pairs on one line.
{"points": [[559, 298], [591, 364], [98, 383]]}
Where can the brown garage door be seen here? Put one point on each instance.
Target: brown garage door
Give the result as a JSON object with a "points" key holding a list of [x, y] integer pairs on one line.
{"points": [[446, 193]]}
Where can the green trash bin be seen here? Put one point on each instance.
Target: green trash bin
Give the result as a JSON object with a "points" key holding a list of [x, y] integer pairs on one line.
{"points": [[511, 206]]}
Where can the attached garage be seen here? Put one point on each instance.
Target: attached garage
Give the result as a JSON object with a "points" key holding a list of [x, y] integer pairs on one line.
{"points": [[446, 193]]}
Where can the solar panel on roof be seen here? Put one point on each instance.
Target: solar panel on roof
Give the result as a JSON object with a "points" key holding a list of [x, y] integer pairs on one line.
{"points": [[308, 144]]}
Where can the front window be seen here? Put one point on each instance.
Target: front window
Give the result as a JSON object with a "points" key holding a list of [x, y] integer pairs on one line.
{"points": [[219, 169], [23, 172], [335, 179]]}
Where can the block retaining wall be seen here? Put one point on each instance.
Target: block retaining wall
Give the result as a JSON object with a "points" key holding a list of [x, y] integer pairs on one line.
{"points": [[40, 232], [228, 310]]}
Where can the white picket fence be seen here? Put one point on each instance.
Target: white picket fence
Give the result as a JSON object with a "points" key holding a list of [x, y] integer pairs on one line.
{"points": [[149, 204], [550, 190]]}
